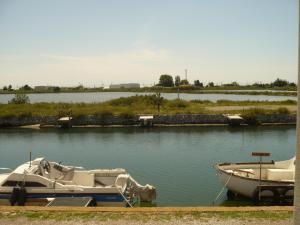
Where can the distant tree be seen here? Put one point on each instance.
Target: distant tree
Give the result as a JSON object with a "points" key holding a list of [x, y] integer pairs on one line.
{"points": [[166, 80], [10, 87], [5, 88], [177, 81], [26, 87], [197, 83], [279, 83], [257, 84], [79, 87], [56, 89], [211, 84], [233, 84], [184, 82], [261, 85], [19, 99], [292, 84]]}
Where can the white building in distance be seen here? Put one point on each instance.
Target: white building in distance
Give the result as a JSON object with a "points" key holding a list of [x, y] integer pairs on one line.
{"points": [[128, 85], [43, 88]]}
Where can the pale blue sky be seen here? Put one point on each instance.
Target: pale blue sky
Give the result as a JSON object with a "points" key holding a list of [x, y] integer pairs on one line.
{"points": [[67, 42]]}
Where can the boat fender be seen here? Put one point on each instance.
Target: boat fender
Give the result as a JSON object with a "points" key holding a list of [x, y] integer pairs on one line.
{"points": [[14, 195], [22, 196]]}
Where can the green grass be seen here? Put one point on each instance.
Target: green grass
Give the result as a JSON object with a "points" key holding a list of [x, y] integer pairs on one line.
{"points": [[130, 106], [105, 216]]}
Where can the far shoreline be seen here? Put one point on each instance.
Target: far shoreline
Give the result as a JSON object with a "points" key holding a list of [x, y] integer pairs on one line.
{"points": [[238, 91]]}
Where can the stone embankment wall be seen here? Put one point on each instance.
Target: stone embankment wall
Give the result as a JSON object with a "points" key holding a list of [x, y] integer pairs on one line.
{"points": [[190, 119], [277, 118], [161, 119]]}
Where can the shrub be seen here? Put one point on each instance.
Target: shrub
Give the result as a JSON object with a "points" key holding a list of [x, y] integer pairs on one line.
{"points": [[103, 115], [251, 119], [283, 110], [64, 110], [19, 99], [132, 100], [250, 116], [290, 102], [127, 115], [122, 101]]}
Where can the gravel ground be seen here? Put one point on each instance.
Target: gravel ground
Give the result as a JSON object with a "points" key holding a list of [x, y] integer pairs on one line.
{"points": [[185, 220]]}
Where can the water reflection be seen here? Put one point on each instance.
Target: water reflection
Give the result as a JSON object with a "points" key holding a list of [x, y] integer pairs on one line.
{"points": [[105, 96]]}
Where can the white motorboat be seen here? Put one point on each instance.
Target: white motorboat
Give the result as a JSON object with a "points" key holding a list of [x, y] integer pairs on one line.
{"points": [[35, 182], [258, 179]]}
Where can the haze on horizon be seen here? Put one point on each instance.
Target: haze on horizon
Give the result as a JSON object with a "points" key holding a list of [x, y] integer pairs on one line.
{"points": [[71, 42]]}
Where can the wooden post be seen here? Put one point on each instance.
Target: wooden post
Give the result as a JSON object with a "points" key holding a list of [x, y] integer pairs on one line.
{"points": [[297, 168], [260, 155]]}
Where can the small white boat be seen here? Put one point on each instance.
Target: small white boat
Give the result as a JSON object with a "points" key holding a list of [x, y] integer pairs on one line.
{"points": [[38, 181], [267, 179]]}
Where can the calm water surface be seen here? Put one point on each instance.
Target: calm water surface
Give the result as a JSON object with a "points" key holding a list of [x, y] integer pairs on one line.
{"points": [[105, 96], [178, 161]]}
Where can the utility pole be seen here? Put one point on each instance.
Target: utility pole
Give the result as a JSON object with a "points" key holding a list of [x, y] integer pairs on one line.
{"points": [[185, 73], [297, 169]]}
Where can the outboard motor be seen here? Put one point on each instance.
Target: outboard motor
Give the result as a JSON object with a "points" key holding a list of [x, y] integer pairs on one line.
{"points": [[146, 193]]}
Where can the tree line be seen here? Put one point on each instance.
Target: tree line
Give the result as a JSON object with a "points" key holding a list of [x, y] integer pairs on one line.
{"points": [[166, 80]]}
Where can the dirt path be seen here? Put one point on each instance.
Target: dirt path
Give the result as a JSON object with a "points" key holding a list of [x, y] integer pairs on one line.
{"points": [[182, 221]]}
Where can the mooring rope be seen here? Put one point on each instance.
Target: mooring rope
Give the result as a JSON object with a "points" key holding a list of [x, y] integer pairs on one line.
{"points": [[223, 188]]}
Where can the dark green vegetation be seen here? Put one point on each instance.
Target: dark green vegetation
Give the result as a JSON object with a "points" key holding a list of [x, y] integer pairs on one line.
{"points": [[20, 99], [105, 216], [166, 80], [149, 104]]}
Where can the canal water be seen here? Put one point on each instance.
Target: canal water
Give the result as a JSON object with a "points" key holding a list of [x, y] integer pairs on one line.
{"points": [[105, 96], [178, 161]]}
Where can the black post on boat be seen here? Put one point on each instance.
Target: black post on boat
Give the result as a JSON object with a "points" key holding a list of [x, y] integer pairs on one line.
{"points": [[260, 154], [29, 158]]}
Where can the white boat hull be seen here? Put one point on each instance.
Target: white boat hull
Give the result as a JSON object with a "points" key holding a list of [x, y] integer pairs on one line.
{"points": [[247, 179], [243, 186]]}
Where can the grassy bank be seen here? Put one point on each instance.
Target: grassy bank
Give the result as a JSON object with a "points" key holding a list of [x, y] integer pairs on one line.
{"points": [[145, 105], [271, 216]]}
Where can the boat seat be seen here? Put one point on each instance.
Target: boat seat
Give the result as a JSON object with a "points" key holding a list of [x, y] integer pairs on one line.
{"points": [[280, 174], [84, 178]]}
